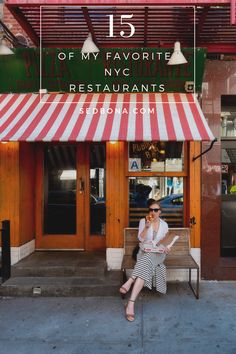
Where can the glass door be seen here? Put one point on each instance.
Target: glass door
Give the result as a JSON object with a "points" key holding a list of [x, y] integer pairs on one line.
{"points": [[62, 181], [71, 196]]}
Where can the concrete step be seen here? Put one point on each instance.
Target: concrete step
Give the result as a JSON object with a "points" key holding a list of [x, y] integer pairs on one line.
{"points": [[62, 286], [88, 270]]}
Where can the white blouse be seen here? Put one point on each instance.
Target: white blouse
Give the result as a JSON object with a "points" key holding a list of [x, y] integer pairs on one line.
{"points": [[162, 231]]}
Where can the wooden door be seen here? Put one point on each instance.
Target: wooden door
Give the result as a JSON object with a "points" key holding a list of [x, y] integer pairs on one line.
{"points": [[70, 196], [60, 196]]}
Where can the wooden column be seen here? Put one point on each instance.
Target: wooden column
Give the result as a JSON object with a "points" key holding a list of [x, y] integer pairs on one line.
{"points": [[195, 192], [116, 194], [10, 188]]}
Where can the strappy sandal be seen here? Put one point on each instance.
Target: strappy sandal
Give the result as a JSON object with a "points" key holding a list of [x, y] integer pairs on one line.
{"points": [[123, 291], [129, 316]]}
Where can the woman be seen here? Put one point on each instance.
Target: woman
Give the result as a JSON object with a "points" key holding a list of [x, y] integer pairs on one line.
{"points": [[149, 269]]}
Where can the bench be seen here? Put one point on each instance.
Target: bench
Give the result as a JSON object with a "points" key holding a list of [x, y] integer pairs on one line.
{"points": [[173, 216], [178, 258]]}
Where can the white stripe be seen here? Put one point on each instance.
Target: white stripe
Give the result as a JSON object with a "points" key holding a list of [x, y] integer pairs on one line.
{"points": [[5, 102], [175, 119], [131, 118], [147, 133], [74, 118], [191, 122], [18, 117], [43, 121], [161, 118], [59, 118], [117, 118], [28, 121], [204, 121], [12, 108], [88, 119], [102, 119]]}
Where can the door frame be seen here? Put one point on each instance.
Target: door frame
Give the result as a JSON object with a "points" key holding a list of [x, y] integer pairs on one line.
{"points": [[87, 241]]}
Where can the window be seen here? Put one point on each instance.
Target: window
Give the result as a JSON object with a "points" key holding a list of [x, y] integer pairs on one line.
{"points": [[156, 156], [167, 190]]}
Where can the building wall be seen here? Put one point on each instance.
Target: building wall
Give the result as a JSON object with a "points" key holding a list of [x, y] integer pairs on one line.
{"points": [[220, 79], [13, 25]]}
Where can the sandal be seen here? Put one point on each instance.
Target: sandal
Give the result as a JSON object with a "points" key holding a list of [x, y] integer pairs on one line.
{"points": [[123, 291], [129, 316]]}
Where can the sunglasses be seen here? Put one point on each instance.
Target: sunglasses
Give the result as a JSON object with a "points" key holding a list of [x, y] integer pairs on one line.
{"points": [[155, 209]]}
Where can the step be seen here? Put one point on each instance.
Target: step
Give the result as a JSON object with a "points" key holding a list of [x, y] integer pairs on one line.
{"points": [[62, 286], [89, 270]]}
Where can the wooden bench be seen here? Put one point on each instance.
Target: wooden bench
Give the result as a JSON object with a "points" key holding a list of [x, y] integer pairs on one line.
{"points": [[178, 258], [173, 217]]}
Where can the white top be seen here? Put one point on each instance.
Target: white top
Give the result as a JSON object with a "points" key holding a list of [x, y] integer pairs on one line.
{"points": [[162, 231]]}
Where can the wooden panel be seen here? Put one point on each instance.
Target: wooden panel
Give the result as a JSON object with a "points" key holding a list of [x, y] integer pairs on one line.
{"points": [[9, 188], [195, 192], [27, 192], [116, 193]]}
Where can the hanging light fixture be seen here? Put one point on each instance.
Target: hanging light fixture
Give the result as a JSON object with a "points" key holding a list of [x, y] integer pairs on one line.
{"points": [[89, 46], [4, 50], [177, 57]]}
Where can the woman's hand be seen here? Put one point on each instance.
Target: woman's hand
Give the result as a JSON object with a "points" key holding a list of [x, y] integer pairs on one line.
{"points": [[167, 250]]}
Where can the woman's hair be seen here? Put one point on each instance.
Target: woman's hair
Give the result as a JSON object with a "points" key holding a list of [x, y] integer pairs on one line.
{"points": [[152, 201]]}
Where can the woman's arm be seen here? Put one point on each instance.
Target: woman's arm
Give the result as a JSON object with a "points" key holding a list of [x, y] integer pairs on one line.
{"points": [[143, 229]]}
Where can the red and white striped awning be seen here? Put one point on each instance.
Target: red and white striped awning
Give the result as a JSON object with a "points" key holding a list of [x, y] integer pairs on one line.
{"points": [[102, 117]]}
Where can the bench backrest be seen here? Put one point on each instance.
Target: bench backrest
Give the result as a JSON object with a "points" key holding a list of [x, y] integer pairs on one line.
{"points": [[173, 216], [180, 248]]}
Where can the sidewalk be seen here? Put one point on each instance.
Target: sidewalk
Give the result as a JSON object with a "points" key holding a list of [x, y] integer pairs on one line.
{"points": [[176, 323]]}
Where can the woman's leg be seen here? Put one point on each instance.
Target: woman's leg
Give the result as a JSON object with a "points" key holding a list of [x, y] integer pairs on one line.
{"points": [[138, 285], [126, 286]]}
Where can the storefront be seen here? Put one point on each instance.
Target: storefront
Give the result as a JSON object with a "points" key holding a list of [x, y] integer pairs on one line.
{"points": [[70, 183]]}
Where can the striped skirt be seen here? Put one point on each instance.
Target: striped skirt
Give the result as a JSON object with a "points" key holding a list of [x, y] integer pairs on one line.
{"points": [[151, 269]]}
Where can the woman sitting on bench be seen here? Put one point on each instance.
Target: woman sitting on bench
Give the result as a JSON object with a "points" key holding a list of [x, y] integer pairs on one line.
{"points": [[149, 269]]}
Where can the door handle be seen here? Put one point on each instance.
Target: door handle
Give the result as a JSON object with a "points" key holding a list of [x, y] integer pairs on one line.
{"points": [[81, 185], [192, 220]]}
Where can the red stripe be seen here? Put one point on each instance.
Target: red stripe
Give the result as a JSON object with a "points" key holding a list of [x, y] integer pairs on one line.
{"points": [[153, 117], [110, 119], [139, 118], [95, 119], [58, 107], [21, 121], [66, 118], [31, 127], [81, 118], [183, 118], [9, 104], [15, 112], [168, 117], [124, 118], [2, 98], [197, 117]]}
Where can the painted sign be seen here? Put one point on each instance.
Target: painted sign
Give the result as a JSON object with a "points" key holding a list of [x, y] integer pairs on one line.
{"points": [[110, 70]]}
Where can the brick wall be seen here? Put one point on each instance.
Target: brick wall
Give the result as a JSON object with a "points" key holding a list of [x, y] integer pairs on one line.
{"points": [[13, 25]]}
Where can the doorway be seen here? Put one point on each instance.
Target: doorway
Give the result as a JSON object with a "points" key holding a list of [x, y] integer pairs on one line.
{"points": [[70, 196]]}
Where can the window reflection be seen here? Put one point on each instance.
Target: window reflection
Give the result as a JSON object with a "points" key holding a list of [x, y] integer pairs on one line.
{"points": [[60, 189], [97, 189], [167, 190]]}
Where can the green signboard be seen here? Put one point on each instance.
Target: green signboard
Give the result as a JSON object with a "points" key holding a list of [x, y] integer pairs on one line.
{"points": [[110, 70]]}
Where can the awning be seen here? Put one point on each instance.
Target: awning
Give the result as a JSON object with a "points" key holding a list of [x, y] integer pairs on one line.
{"points": [[102, 117]]}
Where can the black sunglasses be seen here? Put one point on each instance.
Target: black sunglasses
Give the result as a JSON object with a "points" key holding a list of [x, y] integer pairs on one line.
{"points": [[155, 209]]}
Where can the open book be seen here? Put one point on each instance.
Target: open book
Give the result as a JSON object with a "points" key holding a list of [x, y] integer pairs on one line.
{"points": [[149, 246]]}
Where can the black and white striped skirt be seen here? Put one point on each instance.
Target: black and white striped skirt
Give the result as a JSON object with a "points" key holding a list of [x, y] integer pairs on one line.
{"points": [[151, 269]]}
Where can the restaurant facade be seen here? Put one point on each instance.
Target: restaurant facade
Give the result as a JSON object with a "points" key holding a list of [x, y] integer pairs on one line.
{"points": [[86, 141]]}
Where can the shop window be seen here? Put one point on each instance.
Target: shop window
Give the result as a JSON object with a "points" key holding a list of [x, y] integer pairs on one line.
{"points": [[97, 189], [167, 190], [156, 156], [228, 176], [228, 116], [60, 189]]}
